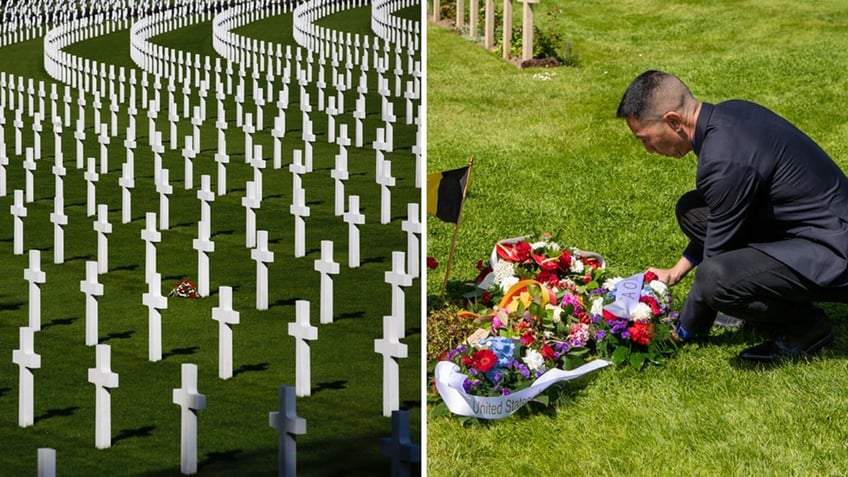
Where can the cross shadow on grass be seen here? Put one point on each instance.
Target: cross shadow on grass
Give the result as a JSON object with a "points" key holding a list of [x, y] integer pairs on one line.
{"points": [[143, 431], [350, 315], [60, 321], [123, 335], [4, 391], [337, 385], [63, 412], [245, 368], [180, 351], [11, 305]]}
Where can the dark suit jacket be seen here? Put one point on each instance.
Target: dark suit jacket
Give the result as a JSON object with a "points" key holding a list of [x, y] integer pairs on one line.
{"points": [[770, 187]]}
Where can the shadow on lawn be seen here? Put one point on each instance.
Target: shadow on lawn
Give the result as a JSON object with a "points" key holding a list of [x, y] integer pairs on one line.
{"points": [[50, 413], [245, 368], [123, 335], [180, 351], [143, 431], [60, 321]]}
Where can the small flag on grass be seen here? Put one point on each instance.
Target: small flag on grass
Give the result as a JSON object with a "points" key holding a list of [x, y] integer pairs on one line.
{"points": [[445, 193]]}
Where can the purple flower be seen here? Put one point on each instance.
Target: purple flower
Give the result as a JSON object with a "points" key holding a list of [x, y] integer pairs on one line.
{"points": [[600, 335]]}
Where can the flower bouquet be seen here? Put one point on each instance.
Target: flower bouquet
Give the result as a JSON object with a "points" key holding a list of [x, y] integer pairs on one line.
{"points": [[184, 289], [557, 319]]}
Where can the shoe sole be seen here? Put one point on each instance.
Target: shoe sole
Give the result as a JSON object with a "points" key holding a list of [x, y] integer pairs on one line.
{"points": [[810, 350]]}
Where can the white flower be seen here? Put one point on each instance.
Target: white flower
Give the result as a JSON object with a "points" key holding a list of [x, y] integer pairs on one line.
{"points": [[556, 318], [597, 306], [641, 312], [576, 266], [503, 270], [534, 360], [508, 283], [612, 282], [659, 287]]}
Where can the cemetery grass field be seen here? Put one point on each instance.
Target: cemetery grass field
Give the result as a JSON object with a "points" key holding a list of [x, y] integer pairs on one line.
{"points": [[550, 156], [344, 413]]}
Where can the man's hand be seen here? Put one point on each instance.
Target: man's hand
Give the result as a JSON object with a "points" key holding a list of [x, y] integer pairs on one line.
{"points": [[671, 276]]}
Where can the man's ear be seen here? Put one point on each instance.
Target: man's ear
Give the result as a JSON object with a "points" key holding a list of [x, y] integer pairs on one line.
{"points": [[673, 119]]}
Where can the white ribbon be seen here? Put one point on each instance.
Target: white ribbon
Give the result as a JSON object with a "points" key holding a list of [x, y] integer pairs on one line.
{"points": [[449, 384], [627, 294]]}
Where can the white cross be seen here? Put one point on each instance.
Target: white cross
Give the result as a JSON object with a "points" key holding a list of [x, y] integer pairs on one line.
{"points": [[189, 154], [190, 401], [91, 177], [150, 236], [164, 189], [248, 137], [104, 379], [299, 210], [385, 179], [46, 462], [18, 211], [353, 218], [390, 347], [27, 360], [35, 277], [412, 227], [289, 425], [154, 301], [30, 166], [302, 331], [262, 256], [278, 133], [92, 289], [79, 135], [399, 447], [326, 267], [398, 279], [103, 228], [226, 317], [250, 202]]}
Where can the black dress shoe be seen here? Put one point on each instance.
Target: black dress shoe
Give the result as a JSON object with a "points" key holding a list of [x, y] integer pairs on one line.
{"points": [[808, 340]]}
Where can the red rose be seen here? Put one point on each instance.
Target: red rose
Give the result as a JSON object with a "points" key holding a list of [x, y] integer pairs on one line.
{"points": [[587, 279], [545, 263], [641, 332], [484, 360], [583, 317], [565, 261], [650, 276], [548, 352], [547, 278], [486, 297], [432, 264], [522, 251], [527, 339], [652, 302]]}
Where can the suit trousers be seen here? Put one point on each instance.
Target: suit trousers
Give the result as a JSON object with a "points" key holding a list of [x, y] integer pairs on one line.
{"points": [[745, 283]]}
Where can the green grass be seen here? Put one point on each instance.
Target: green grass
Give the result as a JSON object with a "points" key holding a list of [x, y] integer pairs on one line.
{"points": [[551, 156], [344, 413]]}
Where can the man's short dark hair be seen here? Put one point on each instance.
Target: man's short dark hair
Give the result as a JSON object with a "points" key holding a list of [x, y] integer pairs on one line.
{"points": [[636, 102]]}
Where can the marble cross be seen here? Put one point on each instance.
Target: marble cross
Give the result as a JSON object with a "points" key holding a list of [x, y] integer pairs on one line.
{"points": [[104, 379], [35, 277], [92, 289], [413, 228], [262, 256], [27, 360], [326, 267], [154, 301], [190, 401], [226, 317], [303, 332], [103, 229], [289, 425], [19, 211]]}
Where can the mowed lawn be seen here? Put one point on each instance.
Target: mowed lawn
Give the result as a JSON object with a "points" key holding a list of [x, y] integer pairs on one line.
{"points": [[550, 156]]}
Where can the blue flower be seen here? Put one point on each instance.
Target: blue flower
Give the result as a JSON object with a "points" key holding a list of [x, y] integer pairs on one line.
{"points": [[503, 348]]}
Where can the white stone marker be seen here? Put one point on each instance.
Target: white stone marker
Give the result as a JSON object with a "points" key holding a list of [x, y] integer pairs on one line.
{"points": [[154, 301], [326, 267], [258, 164], [359, 115], [226, 317], [278, 133], [27, 360], [92, 289], [36, 135], [248, 137], [91, 177], [127, 183], [221, 157], [340, 172], [262, 256], [164, 189], [79, 136], [18, 211], [58, 217], [190, 401], [173, 117], [46, 462], [102, 377], [19, 139], [354, 219], [35, 277], [151, 237], [302, 331], [299, 210], [250, 203], [4, 161], [196, 122], [289, 425], [399, 447], [390, 347], [413, 228], [386, 181], [158, 149], [398, 279], [103, 229], [104, 140], [189, 154], [30, 167], [203, 243]]}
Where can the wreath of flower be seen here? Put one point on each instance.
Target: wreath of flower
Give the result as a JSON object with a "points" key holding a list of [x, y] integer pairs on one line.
{"points": [[184, 289]]}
